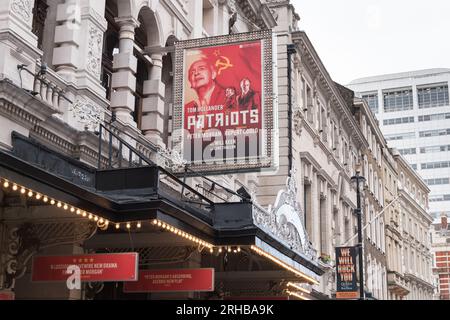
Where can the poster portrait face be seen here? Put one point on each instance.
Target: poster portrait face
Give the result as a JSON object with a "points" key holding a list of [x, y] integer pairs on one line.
{"points": [[221, 110]]}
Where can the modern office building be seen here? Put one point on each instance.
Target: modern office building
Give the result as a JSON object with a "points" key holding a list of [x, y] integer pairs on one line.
{"points": [[413, 111]]}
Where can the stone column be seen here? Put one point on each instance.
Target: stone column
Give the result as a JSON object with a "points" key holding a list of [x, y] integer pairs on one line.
{"points": [[93, 26], [153, 104], [125, 66], [67, 39]]}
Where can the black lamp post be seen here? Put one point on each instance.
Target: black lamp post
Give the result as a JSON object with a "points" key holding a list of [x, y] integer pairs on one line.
{"points": [[359, 180]]}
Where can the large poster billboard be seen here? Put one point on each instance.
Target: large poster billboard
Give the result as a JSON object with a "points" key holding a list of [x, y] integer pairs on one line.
{"points": [[224, 102]]}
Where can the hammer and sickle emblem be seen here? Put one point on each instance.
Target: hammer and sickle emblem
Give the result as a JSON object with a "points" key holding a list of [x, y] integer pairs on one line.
{"points": [[223, 63]]}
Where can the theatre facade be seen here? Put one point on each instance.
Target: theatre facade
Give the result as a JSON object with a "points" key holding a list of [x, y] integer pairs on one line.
{"points": [[169, 150]]}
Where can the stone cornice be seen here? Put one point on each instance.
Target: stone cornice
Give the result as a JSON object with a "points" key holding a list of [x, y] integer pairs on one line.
{"points": [[410, 171], [423, 214], [168, 4], [258, 13], [21, 106], [301, 40], [22, 45]]}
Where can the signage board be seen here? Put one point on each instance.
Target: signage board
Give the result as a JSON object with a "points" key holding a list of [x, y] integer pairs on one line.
{"points": [[225, 113], [346, 287], [93, 267], [176, 280]]}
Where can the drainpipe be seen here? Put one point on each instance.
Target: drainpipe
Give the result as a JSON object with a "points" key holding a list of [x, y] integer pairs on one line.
{"points": [[290, 51]]}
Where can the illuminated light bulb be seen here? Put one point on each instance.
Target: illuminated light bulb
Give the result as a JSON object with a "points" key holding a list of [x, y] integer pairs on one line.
{"points": [[15, 187], [38, 196], [235, 251], [78, 211], [101, 220], [220, 250], [239, 249], [171, 229], [84, 214], [211, 250], [45, 199], [155, 221], [138, 225], [30, 193], [72, 209], [159, 223], [128, 225], [90, 216], [66, 207], [6, 184], [106, 222], [22, 190], [117, 226], [59, 205], [229, 249], [52, 202], [95, 218]]}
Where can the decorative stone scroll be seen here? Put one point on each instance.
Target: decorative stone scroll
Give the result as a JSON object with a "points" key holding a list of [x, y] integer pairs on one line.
{"points": [[23, 8], [283, 220], [87, 114]]}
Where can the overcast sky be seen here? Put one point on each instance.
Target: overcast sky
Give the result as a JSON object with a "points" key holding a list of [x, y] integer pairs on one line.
{"points": [[359, 38]]}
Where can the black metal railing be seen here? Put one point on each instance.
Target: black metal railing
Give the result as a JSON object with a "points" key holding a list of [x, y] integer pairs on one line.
{"points": [[122, 154]]}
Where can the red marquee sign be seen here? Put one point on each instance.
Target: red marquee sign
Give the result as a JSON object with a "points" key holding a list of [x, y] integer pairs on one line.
{"points": [[172, 281], [93, 267]]}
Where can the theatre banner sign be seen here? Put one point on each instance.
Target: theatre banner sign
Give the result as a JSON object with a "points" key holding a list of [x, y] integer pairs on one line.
{"points": [[175, 280], [91, 267], [346, 287], [225, 110]]}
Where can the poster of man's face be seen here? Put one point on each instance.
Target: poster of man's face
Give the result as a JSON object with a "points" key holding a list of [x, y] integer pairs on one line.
{"points": [[222, 103]]}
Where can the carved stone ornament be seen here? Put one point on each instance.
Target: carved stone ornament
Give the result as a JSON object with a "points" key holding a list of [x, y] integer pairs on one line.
{"points": [[171, 159], [23, 8], [87, 113], [95, 51], [231, 6], [283, 220], [298, 118]]}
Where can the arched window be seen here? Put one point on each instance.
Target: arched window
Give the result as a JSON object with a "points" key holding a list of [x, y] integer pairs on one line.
{"points": [[39, 16], [110, 46]]}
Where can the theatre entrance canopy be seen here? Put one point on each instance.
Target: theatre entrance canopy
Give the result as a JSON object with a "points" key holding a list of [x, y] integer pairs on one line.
{"points": [[147, 209]]}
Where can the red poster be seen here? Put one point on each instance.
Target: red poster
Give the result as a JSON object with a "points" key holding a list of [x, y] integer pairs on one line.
{"points": [[222, 102], [172, 281], [93, 267]]}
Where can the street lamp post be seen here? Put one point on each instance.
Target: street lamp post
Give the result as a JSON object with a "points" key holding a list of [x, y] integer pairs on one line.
{"points": [[357, 178]]}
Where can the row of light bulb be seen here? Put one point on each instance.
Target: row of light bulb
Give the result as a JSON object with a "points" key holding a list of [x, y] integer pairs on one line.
{"points": [[104, 222], [282, 264]]}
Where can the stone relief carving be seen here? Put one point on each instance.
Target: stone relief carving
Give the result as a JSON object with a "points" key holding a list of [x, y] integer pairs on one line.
{"points": [[283, 220], [94, 51], [298, 117], [87, 113], [171, 159], [23, 8]]}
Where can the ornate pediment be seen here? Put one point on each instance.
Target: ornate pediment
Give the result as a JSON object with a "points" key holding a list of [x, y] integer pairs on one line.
{"points": [[284, 220]]}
